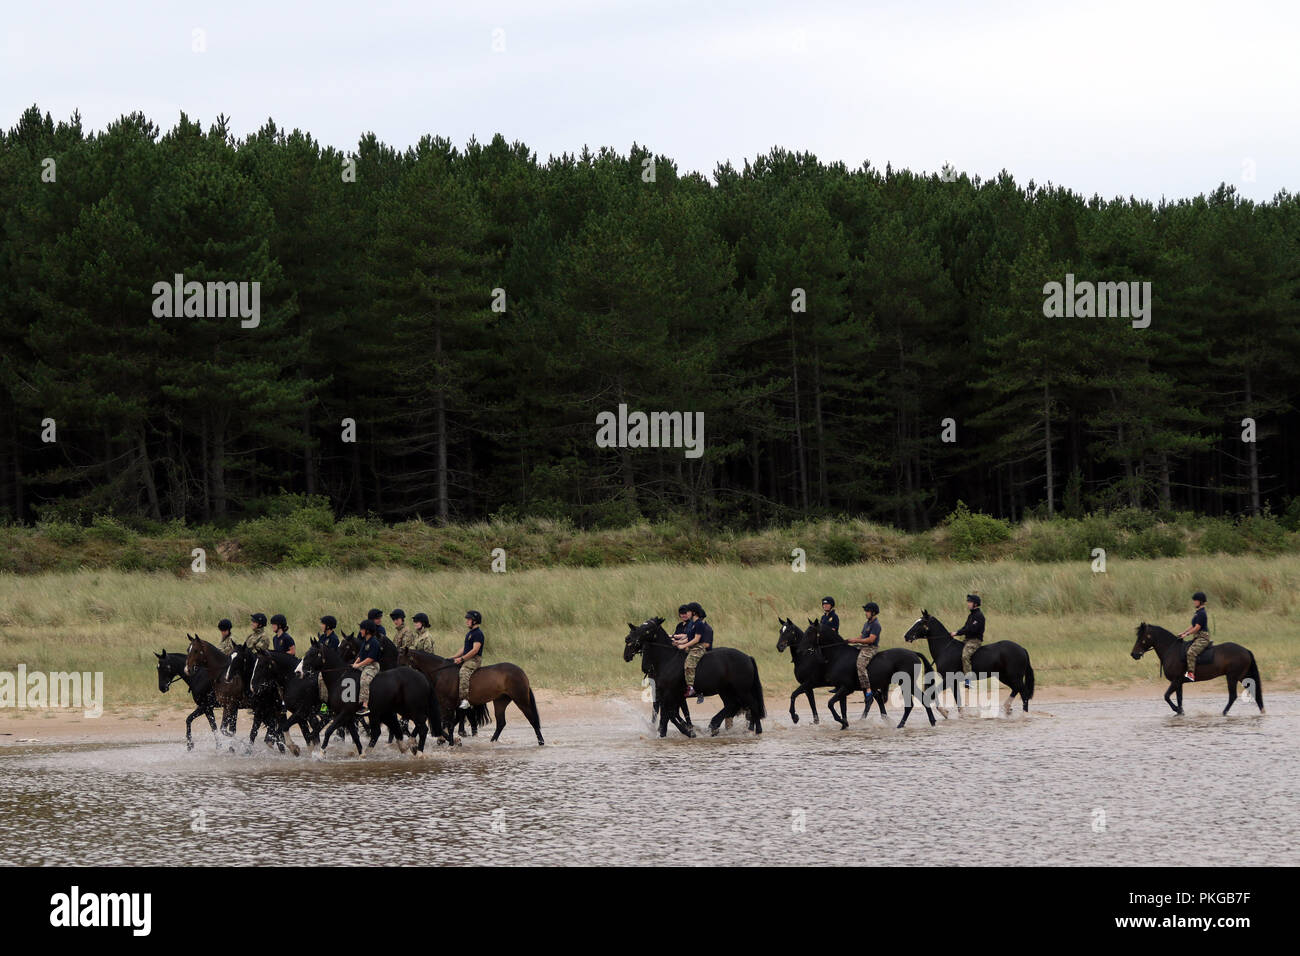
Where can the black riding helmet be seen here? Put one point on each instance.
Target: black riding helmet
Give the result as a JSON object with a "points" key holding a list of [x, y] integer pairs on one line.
{"points": [[259, 619], [397, 613], [329, 622], [829, 600], [1199, 596], [474, 616], [374, 614], [683, 609], [421, 618], [696, 609], [224, 624], [367, 627], [278, 619], [974, 599], [871, 606]]}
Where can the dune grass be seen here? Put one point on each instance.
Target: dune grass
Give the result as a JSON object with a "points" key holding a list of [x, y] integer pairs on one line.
{"points": [[565, 626]]}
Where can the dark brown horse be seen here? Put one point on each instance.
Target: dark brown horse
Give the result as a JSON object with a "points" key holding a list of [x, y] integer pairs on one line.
{"points": [[1232, 661], [502, 684]]}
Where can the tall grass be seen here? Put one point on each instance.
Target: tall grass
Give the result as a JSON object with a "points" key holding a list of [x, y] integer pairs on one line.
{"points": [[566, 626]]}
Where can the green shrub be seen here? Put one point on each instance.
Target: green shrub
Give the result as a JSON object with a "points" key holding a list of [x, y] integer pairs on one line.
{"points": [[1132, 519], [63, 533], [107, 528], [1264, 534], [307, 555], [1156, 542], [972, 532], [841, 549], [1222, 537]]}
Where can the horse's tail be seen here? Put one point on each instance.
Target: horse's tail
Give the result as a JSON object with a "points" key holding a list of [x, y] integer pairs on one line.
{"points": [[758, 709], [481, 715], [1257, 687], [1028, 691]]}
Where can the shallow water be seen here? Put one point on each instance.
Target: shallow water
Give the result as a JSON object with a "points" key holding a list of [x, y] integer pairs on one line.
{"points": [[1106, 782]]}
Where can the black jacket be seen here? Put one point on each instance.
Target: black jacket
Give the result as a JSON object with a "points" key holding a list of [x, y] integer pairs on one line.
{"points": [[973, 629]]}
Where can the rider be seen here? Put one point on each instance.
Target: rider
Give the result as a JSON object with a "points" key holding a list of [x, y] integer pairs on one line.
{"points": [[421, 637], [973, 631], [327, 636], [227, 644], [367, 661], [471, 655], [281, 641], [696, 642], [868, 643], [683, 621], [401, 636], [1200, 632], [376, 617], [830, 620], [257, 640]]}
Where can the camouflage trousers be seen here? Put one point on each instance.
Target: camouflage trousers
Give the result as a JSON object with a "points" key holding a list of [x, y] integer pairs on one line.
{"points": [[324, 691], [865, 653], [692, 661], [367, 675], [467, 670], [968, 649], [1194, 650]]}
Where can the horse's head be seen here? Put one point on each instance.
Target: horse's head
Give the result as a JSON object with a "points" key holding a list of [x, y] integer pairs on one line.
{"points": [[348, 647], [195, 655], [790, 634], [405, 657], [263, 671], [312, 659], [238, 662], [1144, 641], [638, 636], [921, 629], [164, 672]]}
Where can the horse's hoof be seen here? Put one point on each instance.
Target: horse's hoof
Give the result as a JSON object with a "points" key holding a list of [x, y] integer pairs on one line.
{"points": [[293, 749], [189, 745], [794, 718], [816, 720], [713, 731]]}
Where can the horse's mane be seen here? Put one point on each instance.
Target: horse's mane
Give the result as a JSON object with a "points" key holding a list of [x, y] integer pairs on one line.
{"points": [[1155, 629]]}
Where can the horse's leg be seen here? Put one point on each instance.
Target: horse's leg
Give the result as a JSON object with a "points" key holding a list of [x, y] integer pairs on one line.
{"points": [[499, 705], [1232, 693], [881, 695], [801, 689], [189, 739], [356, 738], [729, 709], [839, 718], [906, 710]]}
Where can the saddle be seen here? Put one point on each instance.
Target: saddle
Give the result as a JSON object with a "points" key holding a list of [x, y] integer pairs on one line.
{"points": [[1205, 655]]}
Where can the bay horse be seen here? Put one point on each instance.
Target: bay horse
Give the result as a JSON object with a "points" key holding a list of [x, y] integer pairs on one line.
{"points": [[730, 673], [1006, 660], [171, 668], [1232, 661], [502, 684], [232, 692]]}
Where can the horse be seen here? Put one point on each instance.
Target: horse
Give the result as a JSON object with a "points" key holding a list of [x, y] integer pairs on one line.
{"points": [[725, 671], [231, 690], [171, 668], [399, 694], [300, 695], [502, 684], [266, 704], [343, 684], [1005, 659], [648, 670], [1232, 661]]}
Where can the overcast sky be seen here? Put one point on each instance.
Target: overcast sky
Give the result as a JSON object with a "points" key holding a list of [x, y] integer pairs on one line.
{"points": [[1118, 98]]}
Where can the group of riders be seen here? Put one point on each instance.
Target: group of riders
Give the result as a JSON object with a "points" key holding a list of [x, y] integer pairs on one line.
{"points": [[372, 633]]}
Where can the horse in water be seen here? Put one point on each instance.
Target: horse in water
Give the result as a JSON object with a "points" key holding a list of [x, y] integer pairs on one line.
{"points": [[343, 689], [810, 662], [171, 668], [231, 691], [502, 684], [1006, 660], [300, 694], [725, 671], [1232, 661], [400, 694]]}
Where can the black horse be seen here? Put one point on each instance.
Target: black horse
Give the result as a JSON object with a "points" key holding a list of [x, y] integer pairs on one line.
{"points": [[810, 662], [231, 689], [400, 694], [299, 694], [648, 670], [725, 671], [265, 701], [171, 668], [1232, 661], [343, 683], [1007, 660]]}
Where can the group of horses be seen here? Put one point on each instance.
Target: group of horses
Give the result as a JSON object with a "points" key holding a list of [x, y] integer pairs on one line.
{"points": [[822, 658], [415, 694]]}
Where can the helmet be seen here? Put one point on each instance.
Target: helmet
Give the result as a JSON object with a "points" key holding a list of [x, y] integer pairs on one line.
{"points": [[279, 620], [366, 627], [696, 609], [829, 600], [1199, 596], [422, 618], [224, 624], [374, 614], [871, 606], [974, 599], [258, 618], [397, 614], [328, 621], [474, 616], [684, 609]]}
